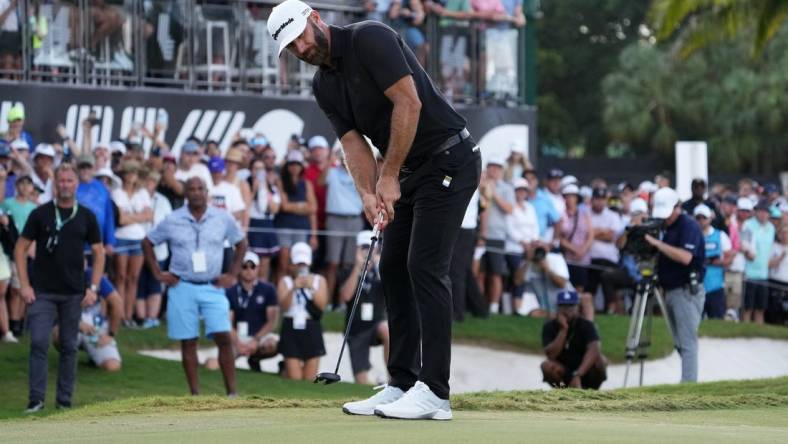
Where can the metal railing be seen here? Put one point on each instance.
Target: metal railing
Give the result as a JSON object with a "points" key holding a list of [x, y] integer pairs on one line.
{"points": [[201, 45]]}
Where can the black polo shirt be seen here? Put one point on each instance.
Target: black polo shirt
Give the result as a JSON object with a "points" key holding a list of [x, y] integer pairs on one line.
{"points": [[251, 308], [683, 233], [366, 59]]}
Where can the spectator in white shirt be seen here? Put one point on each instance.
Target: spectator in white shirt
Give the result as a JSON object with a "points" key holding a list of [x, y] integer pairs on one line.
{"points": [[150, 290], [522, 228], [607, 226], [223, 194]]}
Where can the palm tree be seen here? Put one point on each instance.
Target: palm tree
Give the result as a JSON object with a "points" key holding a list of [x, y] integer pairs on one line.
{"points": [[702, 22]]}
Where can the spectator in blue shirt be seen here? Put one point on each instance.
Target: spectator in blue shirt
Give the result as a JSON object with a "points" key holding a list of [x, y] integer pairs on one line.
{"points": [[546, 214], [95, 196]]}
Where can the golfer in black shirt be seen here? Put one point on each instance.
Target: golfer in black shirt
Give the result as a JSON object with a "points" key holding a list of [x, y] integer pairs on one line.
{"points": [[60, 229], [369, 83]]}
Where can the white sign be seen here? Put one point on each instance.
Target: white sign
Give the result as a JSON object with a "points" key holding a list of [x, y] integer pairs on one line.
{"points": [[691, 163]]}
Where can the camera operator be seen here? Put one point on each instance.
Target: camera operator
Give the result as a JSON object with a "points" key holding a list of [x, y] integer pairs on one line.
{"points": [[680, 273]]}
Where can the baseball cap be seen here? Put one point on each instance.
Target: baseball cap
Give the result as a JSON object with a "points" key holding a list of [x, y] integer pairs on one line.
{"points": [[521, 183], [647, 186], [107, 172], [294, 156], [566, 180], [599, 193], [86, 159], [301, 253], [771, 188], [252, 257], [665, 199], [317, 141], [117, 146], [364, 238], [774, 212], [762, 204], [258, 141], [555, 173], [745, 204], [44, 149], [570, 189], [20, 144], [287, 21], [190, 147], [16, 113], [729, 199], [216, 164], [516, 147], [567, 297], [638, 206], [234, 155], [496, 160], [702, 210]]}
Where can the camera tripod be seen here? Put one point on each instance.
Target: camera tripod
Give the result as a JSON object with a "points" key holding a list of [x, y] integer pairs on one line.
{"points": [[638, 341]]}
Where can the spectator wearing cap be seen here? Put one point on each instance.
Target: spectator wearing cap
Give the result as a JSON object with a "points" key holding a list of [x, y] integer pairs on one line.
{"points": [[499, 198], [719, 254], [757, 240], [265, 204], [318, 165], [575, 235], [698, 188], [188, 167], [102, 156], [343, 214], [225, 195], [8, 176], [296, 220], [369, 327], [271, 167], [778, 265], [117, 150], [134, 210], [258, 144], [772, 194], [516, 163], [16, 126], [606, 226], [735, 269], [747, 189], [302, 297], [573, 348], [254, 313], [627, 274], [95, 196], [522, 228], [546, 213], [680, 266], [553, 188], [43, 164], [196, 234]]}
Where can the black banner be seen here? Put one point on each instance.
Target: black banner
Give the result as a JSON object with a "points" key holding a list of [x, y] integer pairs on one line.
{"points": [[217, 116]]}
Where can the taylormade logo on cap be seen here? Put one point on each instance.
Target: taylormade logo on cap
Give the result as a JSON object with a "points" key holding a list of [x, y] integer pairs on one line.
{"points": [[287, 21], [281, 27]]}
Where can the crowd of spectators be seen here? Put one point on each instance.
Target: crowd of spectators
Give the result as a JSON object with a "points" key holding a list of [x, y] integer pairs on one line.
{"points": [[520, 246]]}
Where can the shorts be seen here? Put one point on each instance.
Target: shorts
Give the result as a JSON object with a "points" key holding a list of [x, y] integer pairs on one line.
{"points": [[288, 238], [733, 289], [342, 249], [493, 262], [148, 285], [128, 247], [5, 267], [100, 355], [513, 262], [578, 276], [714, 307], [595, 274], [358, 345], [264, 242], [188, 302], [10, 43], [756, 294], [301, 344], [593, 378]]}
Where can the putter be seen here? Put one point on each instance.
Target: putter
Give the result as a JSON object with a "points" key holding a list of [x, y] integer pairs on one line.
{"points": [[330, 378]]}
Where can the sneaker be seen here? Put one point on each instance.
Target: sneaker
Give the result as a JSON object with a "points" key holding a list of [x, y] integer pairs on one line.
{"points": [[367, 407], [732, 315], [149, 323], [10, 338], [62, 405], [34, 406], [418, 403], [131, 323]]}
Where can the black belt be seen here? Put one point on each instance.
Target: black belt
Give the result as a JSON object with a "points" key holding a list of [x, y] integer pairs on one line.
{"points": [[454, 140]]}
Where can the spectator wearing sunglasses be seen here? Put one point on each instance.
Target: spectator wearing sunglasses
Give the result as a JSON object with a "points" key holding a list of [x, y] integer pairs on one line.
{"points": [[719, 254]]}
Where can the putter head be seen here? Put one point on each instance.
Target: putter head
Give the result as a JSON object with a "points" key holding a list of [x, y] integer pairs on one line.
{"points": [[327, 378]]}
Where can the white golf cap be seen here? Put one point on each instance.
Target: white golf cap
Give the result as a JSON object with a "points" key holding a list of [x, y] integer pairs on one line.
{"points": [[287, 21], [665, 200], [252, 257], [517, 147], [294, 156], [102, 146], [301, 253], [521, 183], [364, 238], [107, 172], [496, 160], [570, 189], [647, 187], [745, 204], [20, 144], [702, 210], [638, 206], [44, 149], [117, 147], [566, 180], [317, 141]]}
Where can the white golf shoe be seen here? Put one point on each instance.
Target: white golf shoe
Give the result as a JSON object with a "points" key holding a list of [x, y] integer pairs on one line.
{"points": [[367, 406], [418, 403]]}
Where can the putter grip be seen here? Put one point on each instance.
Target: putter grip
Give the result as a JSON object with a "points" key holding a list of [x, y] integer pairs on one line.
{"points": [[376, 226]]}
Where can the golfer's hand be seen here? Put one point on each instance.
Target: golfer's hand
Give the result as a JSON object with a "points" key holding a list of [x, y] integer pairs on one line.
{"points": [[225, 280], [89, 299], [370, 202], [28, 295], [388, 193], [168, 278]]}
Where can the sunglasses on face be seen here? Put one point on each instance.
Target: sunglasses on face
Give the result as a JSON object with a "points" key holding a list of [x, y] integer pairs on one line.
{"points": [[700, 217], [249, 266]]}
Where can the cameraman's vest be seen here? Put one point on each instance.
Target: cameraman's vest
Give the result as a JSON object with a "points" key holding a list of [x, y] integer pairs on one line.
{"points": [[715, 275]]}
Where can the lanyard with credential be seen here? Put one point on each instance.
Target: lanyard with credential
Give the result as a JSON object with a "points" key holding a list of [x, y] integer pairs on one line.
{"points": [[196, 228], [59, 222]]}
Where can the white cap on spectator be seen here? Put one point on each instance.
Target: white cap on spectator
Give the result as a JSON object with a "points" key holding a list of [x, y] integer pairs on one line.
{"points": [[566, 180], [570, 189], [586, 192], [665, 200], [521, 183], [101, 145], [516, 147], [107, 172], [638, 206], [317, 141], [647, 187], [294, 156], [287, 21], [364, 238], [301, 253], [44, 149], [702, 210], [20, 144], [496, 160], [258, 141], [744, 203], [252, 257], [117, 147]]}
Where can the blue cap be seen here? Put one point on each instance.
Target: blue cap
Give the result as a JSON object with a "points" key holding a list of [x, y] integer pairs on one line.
{"points": [[5, 150], [190, 147], [216, 164], [771, 188], [568, 297]]}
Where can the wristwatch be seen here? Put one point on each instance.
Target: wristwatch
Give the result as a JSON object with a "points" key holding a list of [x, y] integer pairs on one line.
{"points": [[576, 374], [93, 288]]}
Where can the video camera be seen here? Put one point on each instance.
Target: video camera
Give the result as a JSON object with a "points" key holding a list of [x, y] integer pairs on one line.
{"points": [[637, 245]]}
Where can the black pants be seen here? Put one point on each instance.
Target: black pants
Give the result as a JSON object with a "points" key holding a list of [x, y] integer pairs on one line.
{"points": [[414, 266], [461, 262]]}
